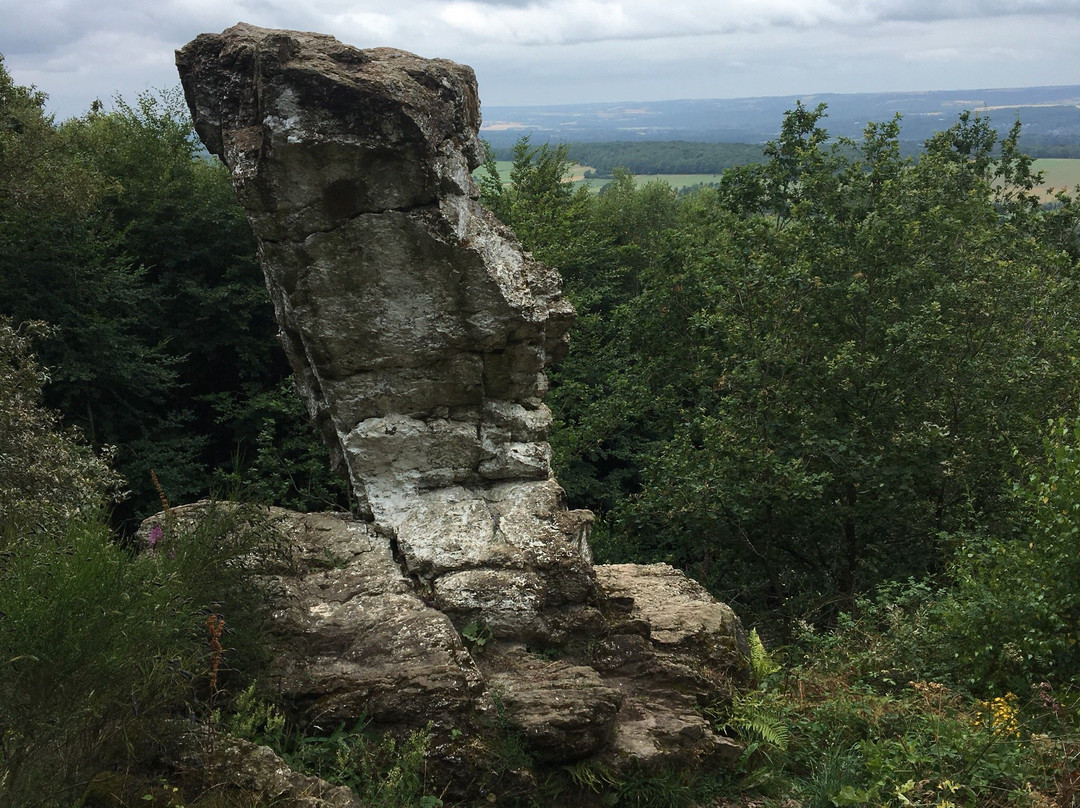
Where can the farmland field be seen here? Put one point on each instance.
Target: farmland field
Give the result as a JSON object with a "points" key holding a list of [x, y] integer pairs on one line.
{"points": [[577, 176], [1060, 173], [674, 180]]}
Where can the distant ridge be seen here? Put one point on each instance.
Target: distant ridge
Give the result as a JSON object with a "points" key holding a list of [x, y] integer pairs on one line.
{"points": [[1050, 116]]}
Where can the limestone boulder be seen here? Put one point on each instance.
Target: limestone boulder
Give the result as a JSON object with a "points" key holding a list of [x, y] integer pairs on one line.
{"points": [[355, 637], [687, 625], [564, 712], [257, 772]]}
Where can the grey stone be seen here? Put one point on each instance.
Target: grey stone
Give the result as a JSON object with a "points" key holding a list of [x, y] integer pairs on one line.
{"points": [[564, 712], [418, 328], [259, 772]]}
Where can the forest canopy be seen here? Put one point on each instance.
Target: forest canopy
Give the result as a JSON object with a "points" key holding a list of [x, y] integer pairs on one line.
{"points": [[119, 233], [819, 375]]}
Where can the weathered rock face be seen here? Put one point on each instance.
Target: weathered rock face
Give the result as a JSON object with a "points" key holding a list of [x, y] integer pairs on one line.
{"points": [[418, 327], [420, 331], [352, 639]]}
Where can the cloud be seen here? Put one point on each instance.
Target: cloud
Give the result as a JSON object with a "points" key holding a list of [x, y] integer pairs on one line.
{"points": [[591, 21], [550, 22], [533, 51]]}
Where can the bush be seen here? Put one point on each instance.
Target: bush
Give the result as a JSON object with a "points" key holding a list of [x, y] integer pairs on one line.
{"points": [[100, 649], [46, 475], [841, 727], [384, 772], [1012, 614], [100, 644], [93, 649]]}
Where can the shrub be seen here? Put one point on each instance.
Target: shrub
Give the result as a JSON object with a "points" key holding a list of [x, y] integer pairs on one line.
{"points": [[384, 772], [1012, 614], [93, 649], [100, 649], [46, 475]]}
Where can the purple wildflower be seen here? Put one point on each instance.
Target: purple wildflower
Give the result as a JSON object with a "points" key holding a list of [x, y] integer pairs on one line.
{"points": [[155, 536]]}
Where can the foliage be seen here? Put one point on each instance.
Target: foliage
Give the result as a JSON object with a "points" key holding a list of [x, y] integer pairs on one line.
{"points": [[382, 771], [1014, 607], [62, 260], [761, 662], [654, 789], [476, 634], [117, 231], [278, 457], [99, 650], [663, 157], [652, 156], [758, 719], [832, 731], [101, 645], [540, 205], [47, 476], [805, 381]]}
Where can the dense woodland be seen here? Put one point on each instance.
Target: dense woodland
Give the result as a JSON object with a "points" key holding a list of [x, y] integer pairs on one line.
{"points": [[656, 156], [649, 157], [841, 389]]}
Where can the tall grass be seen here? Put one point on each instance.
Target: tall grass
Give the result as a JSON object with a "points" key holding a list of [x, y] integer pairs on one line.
{"points": [[101, 647]]}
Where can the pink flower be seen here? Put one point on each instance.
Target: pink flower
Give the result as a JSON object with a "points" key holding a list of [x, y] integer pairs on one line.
{"points": [[155, 536]]}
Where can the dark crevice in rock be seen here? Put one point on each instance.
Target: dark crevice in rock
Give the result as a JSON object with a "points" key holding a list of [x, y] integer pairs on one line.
{"points": [[343, 221]]}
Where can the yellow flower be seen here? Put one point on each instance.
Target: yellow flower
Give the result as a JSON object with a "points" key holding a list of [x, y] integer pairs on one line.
{"points": [[1000, 715]]}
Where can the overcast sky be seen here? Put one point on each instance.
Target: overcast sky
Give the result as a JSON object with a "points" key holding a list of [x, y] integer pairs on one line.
{"points": [[567, 51]]}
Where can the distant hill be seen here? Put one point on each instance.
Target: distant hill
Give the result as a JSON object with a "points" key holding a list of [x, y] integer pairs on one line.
{"points": [[1050, 117]]}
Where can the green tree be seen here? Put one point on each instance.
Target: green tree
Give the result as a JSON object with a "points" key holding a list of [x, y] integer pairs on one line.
{"points": [[47, 475], [63, 261], [119, 231], [203, 298], [847, 350]]}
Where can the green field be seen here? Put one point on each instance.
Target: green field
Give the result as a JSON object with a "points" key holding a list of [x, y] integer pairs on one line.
{"points": [[578, 173], [1060, 173], [674, 180]]}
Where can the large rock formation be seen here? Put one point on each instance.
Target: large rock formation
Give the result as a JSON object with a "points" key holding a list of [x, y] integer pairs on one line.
{"points": [[418, 327], [420, 332], [353, 639]]}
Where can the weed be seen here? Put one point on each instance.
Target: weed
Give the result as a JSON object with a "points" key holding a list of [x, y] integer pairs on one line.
{"points": [[646, 789], [100, 650], [591, 775], [381, 770], [476, 634]]}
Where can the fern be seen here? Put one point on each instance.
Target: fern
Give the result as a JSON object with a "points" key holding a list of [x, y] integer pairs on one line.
{"points": [[591, 775], [761, 663], [758, 722]]}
